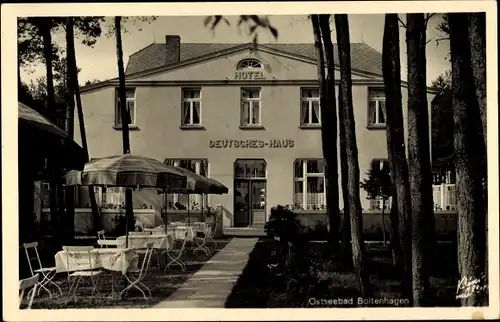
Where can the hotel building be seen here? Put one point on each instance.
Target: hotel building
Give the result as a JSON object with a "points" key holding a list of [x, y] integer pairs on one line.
{"points": [[247, 115]]}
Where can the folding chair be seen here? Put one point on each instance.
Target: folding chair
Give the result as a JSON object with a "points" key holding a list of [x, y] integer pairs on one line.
{"points": [[26, 283], [101, 236], [213, 231], [201, 241], [78, 273], [135, 276], [176, 259], [111, 242], [48, 273]]}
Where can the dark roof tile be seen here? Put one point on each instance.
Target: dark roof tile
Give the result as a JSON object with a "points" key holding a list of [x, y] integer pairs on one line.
{"points": [[363, 57]]}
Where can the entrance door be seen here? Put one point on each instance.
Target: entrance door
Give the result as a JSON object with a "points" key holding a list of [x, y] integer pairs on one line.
{"points": [[249, 193]]}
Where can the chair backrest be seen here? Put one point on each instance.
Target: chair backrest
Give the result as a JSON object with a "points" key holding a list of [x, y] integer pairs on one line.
{"points": [[184, 241], [147, 259], [31, 250], [101, 236], [110, 242], [70, 250], [26, 283]]}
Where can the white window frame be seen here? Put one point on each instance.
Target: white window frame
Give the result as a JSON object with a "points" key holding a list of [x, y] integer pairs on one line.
{"points": [[310, 107], [191, 107], [377, 98], [251, 63], [250, 102], [175, 196], [133, 115], [306, 175]]}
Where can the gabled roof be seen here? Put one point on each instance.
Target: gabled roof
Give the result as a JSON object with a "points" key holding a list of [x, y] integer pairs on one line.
{"points": [[363, 57]]}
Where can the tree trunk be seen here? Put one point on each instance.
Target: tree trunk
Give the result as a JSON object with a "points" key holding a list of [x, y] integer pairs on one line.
{"points": [[397, 256], [353, 184], [468, 155], [329, 135], [477, 38], [396, 147], [43, 25], [125, 116], [72, 70], [383, 222], [419, 161], [346, 219], [70, 125]]}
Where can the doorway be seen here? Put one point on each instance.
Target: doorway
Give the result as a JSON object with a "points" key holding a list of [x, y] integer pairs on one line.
{"points": [[250, 192]]}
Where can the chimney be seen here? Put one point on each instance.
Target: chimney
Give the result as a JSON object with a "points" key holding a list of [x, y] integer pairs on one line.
{"points": [[173, 43]]}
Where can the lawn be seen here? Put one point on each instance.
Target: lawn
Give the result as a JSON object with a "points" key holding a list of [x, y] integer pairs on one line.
{"points": [[162, 284], [320, 281]]}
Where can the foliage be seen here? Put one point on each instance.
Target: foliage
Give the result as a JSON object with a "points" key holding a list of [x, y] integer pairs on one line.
{"points": [[378, 184], [252, 21], [283, 224]]}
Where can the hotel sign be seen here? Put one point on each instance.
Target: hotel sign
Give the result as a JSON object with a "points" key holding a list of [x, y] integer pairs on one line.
{"points": [[273, 143], [249, 75]]}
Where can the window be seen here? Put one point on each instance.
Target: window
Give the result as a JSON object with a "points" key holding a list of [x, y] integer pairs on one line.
{"points": [[376, 107], [309, 108], [379, 166], [309, 184], [250, 107], [182, 201], [191, 106], [249, 64], [246, 169], [130, 93]]}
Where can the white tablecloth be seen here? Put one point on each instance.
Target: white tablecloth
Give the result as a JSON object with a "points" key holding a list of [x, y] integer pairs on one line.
{"points": [[140, 242], [113, 259], [178, 232]]}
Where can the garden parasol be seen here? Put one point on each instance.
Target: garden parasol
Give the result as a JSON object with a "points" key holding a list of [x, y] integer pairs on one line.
{"points": [[127, 170], [39, 139], [198, 184]]}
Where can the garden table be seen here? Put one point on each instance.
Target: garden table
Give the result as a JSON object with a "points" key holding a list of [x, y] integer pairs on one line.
{"points": [[141, 241], [112, 259]]}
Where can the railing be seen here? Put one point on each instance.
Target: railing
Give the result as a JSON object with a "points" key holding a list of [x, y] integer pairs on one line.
{"points": [[444, 196]]}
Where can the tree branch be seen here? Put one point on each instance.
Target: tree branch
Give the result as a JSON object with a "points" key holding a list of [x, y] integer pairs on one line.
{"points": [[402, 23], [441, 39]]}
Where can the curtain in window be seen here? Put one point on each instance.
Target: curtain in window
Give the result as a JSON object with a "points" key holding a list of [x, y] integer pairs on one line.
{"points": [[204, 168], [299, 194], [315, 192], [245, 113], [186, 113], [131, 106], [304, 112], [299, 169], [196, 112], [255, 112], [372, 106], [118, 114], [315, 112], [381, 112]]}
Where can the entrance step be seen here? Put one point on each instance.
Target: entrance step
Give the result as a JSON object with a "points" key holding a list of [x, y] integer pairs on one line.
{"points": [[245, 232]]}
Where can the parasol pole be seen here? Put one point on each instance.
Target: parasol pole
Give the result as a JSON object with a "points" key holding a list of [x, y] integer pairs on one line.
{"points": [[189, 212], [202, 207]]}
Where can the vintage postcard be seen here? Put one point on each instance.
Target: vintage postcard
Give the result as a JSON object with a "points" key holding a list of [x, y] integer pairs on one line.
{"points": [[264, 161]]}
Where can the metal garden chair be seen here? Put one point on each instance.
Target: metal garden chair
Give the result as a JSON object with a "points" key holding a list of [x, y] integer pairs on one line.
{"points": [[48, 273], [26, 283]]}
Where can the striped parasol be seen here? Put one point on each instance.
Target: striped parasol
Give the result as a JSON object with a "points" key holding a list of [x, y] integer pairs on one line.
{"points": [[127, 170], [216, 187], [39, 139]]}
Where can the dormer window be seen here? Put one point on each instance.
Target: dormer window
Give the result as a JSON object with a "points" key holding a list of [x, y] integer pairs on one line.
{"points": [[249, 64]]}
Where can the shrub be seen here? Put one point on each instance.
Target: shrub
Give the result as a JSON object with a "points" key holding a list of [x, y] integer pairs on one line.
{"points": [[283, 224]]}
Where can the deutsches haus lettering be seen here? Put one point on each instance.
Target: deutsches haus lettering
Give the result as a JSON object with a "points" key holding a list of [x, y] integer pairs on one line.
{"points": [[273, 143]]}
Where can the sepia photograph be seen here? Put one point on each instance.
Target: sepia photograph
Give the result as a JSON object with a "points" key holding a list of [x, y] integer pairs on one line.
{"points": [[327, 160]]}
